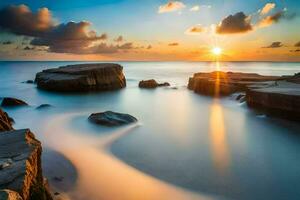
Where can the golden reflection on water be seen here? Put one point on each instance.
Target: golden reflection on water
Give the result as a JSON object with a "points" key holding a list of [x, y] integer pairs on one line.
{"points": [[220, 151]]}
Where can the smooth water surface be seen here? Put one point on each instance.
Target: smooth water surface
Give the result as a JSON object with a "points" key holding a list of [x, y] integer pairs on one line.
{"points": [[185, 146]]}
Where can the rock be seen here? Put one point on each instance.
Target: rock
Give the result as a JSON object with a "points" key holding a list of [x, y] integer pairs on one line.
{"points": [[43, 106], [5, 122], [8, 101], [9, 195], [20, 155], [110, 118], [225, 83], [241, 98], [151, 84], [29, 82], [82, 78], [282, 99]]}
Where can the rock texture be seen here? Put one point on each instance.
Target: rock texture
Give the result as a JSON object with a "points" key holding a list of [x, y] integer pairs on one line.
{"points": [[9, 101], [20, 165], [225, 83], [110, 118], [9, 195], [282, 100], [82, 78], [151, 84], [5, 121]]}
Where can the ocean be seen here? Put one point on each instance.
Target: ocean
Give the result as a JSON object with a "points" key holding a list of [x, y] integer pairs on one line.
{"points": [[185, 146]]}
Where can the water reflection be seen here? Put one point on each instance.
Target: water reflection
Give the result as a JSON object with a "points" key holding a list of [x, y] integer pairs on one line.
{"points": [[219, 145]]}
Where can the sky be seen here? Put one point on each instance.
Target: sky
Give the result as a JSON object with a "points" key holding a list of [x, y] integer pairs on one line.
{"points": [[150, 30]]}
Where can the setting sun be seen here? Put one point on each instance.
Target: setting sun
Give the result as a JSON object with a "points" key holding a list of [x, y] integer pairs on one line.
{"points": [[216, 51]]}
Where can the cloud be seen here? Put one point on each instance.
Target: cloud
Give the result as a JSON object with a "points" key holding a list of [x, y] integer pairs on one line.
{"points": [[195, 8], [269, 20], [119, 39], [232, 24], [21, 20], [267, 8], [71, 37], [28, 48], [195, 30], [171, 7], [297, 44], [275, 45], [149, 47], [7, 42], [68, 38], [173, 44]]}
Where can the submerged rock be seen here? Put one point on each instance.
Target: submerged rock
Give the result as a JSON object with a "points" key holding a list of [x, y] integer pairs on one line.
{"points": [[5, 121], [226, 83], [152, 84], [29, 81], [21, 172], [8, 101], [43, 106], [82, 78], [110, 118]]}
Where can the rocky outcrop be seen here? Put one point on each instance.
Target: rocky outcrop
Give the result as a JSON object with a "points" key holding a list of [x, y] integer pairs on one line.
{"points": [[225, 83], [152, 84], [282, 100], [9, 102], [5, 121], [9, 195], [110, 118], [43, 106], [82, 78], [20, 166]]}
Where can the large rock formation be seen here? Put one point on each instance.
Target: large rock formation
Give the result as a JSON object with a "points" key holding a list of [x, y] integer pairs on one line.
{"points": [[152, 84], [82, 78], [5, 121], [20, 166], [283, 99], [225, 83], [110, 118]]}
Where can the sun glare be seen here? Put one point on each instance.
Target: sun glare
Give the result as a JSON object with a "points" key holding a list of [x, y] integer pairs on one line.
{"points": [[216, 51]]}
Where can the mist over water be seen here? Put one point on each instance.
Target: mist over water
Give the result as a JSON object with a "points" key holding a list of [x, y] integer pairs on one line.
{"points": [[185, 146]]}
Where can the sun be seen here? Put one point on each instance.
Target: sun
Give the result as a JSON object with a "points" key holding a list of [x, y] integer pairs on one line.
{"points": [[216, 51]]}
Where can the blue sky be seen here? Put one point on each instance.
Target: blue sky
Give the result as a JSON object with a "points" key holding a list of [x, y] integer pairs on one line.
{"points": [[139, 22]]}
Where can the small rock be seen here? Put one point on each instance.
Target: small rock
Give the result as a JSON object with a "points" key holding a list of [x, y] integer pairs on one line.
{"points": [[152, 84], [8, 101], [58, 178], [29, 82], [42, 106], [110, 118], [56, 193]]}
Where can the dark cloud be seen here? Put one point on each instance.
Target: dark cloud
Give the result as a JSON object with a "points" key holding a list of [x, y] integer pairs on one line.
{"points": [[119, 39], [274, 45], [295, 51], [275, 18], [21, 20], [28, 48], [149, 47], [69, 37], [238, 23], [7, 42], [297, 44], [173, 44]]}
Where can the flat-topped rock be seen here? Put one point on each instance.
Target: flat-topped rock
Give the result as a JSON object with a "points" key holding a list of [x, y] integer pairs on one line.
{"points": [[20, 165], [5, 121], [152, 84], [110, 118], [82, 78], [282, 99], [225, 83]]}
